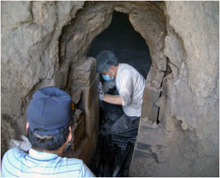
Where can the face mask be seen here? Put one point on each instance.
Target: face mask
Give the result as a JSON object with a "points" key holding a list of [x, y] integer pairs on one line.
{"points": [[106, 77]]}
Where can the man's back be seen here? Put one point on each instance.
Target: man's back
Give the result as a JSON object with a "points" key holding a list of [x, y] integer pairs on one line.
{"points": [[17, 163]]}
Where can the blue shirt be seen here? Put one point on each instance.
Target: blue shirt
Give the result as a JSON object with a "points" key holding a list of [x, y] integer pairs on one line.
{"points": [[17, 163]]}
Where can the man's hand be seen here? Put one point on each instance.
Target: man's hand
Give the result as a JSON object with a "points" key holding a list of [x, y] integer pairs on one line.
{"points": [[101, 92], [24, 145]]}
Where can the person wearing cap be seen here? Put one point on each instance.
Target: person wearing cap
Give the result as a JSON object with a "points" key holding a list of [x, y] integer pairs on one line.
{"points": [[48, 127], [130, 86]]}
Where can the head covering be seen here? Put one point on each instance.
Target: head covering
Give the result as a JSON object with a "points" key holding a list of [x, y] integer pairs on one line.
{"points": [[49, 111]]}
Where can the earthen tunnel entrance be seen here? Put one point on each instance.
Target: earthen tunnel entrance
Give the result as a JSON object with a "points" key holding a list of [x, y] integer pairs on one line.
{"points": [[120, 29], [48, 43], [128, 45]]}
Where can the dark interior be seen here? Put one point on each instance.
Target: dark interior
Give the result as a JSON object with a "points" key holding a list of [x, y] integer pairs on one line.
{"points": [[114, 152], [127, 44]]}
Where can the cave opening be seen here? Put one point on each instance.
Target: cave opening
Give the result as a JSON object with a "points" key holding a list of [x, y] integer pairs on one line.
{"points": [[128, 45], [125, 35], [113, 153], [48, 43]]}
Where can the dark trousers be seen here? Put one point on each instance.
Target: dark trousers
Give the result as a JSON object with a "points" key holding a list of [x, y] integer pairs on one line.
{"points": [[124, 124]]}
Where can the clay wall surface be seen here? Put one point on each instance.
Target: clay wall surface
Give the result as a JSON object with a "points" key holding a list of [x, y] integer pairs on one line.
{"points": [[45, 44], [186, 140]]}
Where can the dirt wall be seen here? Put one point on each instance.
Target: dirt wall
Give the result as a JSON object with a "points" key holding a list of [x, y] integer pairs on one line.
{"points": [[44, 43]]}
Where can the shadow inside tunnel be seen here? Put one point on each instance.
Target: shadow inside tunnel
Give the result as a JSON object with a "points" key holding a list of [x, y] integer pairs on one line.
{"points": [[127, 44], [113, 154]]}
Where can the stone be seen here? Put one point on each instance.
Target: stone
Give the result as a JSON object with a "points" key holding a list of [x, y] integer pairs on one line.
{"points": [[89, 105], [76, 96], [79, 128], [150, 94], [146, 123], [149, 109], [164, 114], [143, 146], [20, 12], [78, 113], [86, 72], [61, 77], [78, 138], [155, 77], [91, 94]]}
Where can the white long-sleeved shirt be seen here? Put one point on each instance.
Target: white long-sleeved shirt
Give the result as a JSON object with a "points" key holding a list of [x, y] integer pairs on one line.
{"points": [[130, 85]]}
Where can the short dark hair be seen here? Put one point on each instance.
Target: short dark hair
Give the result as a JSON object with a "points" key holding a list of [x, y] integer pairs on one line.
{"points": [[48, 142], [105, 59]]}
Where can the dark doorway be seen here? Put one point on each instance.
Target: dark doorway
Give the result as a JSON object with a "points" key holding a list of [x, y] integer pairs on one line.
{"points": [[128, 45]]}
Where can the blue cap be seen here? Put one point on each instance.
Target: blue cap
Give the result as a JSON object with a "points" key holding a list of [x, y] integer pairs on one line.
{"points": [[49, 110]]}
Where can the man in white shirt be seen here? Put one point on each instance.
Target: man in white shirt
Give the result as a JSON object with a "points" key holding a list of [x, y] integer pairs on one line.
{"points": [[130, 86]]}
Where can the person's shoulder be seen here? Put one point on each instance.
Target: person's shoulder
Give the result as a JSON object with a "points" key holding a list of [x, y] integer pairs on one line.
{"points": [[16, 151], [73, 160], [75, 164], [125, 68], [12, 151], [129, 70], [124, 65], [12, 154]]}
